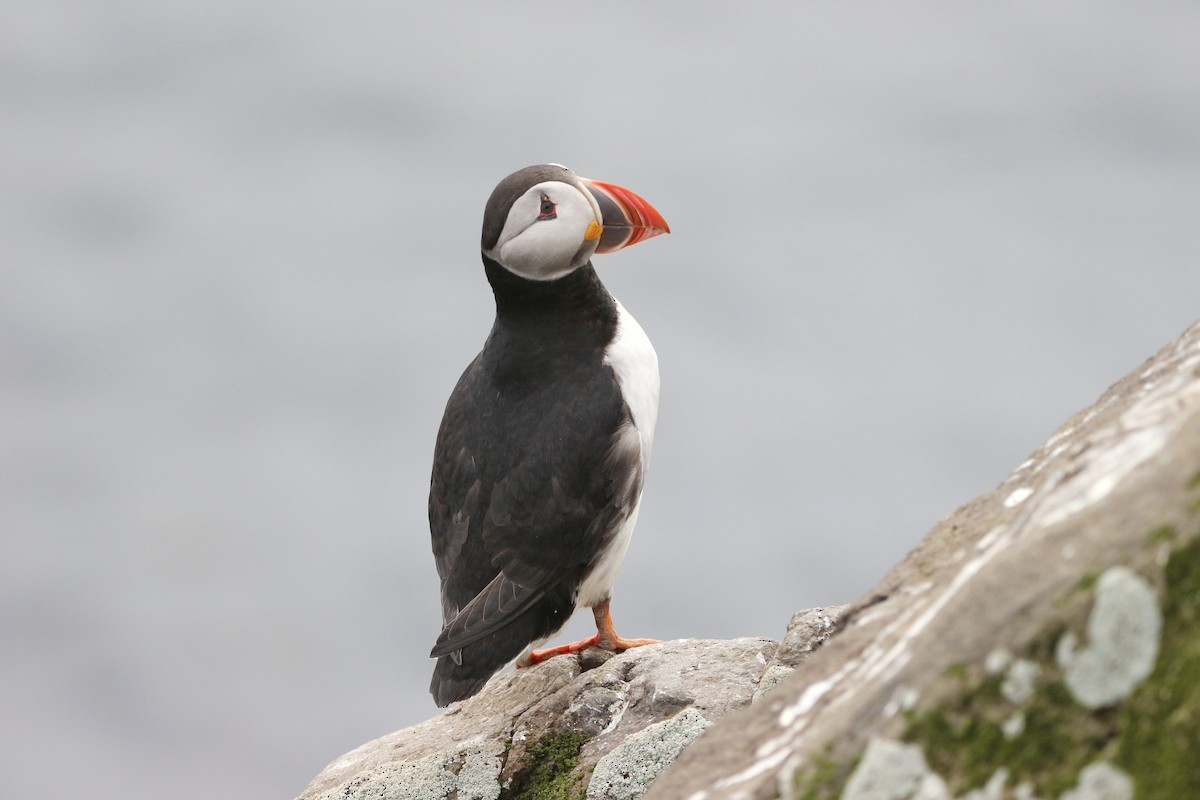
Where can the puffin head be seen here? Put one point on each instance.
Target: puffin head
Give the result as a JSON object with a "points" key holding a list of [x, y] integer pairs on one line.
{"points": [[544, 222]]}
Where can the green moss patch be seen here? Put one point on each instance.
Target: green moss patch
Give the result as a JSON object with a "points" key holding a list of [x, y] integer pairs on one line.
{"points": [[958, 672], [1162, 534], [1160, 721], [1152, 735], [550, 774], [1046, 741], [1194, 484], [965, 743], [824, 780]]}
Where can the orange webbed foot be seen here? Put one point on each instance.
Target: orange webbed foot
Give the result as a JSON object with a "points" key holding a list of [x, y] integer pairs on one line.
{"points": [[606, 638]]}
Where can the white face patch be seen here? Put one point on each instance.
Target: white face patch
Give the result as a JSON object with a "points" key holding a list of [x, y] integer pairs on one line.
{"points": [[544, 246]]}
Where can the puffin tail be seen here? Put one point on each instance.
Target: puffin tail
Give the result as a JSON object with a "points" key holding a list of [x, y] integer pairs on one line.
{"points": [[452, 682], [461, 673]]}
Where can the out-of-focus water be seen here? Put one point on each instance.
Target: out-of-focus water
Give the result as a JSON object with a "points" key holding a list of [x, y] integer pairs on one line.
{"points": [[239, 276]]}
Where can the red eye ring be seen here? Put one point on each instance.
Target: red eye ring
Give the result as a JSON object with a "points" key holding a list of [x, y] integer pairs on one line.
{"points": [[547, 209]]}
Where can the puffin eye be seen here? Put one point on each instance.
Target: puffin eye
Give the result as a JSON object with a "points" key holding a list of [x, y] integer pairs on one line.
{"points": [[547, 209]]}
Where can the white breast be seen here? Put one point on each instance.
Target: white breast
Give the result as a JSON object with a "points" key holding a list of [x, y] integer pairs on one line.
{"points": [[635, 364]]}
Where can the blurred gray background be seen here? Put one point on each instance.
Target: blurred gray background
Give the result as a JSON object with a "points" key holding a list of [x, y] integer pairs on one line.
{"points": [[239, 275]]}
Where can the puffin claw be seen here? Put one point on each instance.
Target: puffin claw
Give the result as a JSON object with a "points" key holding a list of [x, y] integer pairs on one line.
{"points": [[625, 644]]}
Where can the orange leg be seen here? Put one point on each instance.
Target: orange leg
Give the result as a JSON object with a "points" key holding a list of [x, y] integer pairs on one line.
{"points": [[606, 638]]}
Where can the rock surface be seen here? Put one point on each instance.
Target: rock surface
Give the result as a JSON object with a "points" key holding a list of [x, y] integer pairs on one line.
{"points": [[1041, 643], [541, 731]]}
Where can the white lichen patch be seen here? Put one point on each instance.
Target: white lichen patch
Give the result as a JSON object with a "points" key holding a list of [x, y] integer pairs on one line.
{"points": [[472, 774], [1101, 781], [1123, 637], [997, 661], [932, 787], [888, 770], [479, 774], [993, 790], [627, 772], [1014, 726], [1024, 791], [1019, 682]]}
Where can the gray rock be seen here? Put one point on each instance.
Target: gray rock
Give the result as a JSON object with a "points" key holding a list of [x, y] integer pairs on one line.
{"points": [[774, 675], [1081, 551], [806, 632], [459, 753], [630, 715], [628, 770]]}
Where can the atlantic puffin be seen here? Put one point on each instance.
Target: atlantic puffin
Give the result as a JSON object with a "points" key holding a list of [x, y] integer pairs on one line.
{"points": [[543, 448]]}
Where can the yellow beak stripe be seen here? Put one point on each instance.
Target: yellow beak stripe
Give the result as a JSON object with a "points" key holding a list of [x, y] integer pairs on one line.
{"points": [[594, 229]]}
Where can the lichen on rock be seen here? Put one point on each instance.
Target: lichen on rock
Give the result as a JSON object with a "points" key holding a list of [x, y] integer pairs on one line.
{"points": [[1160, 721], [628, 770], [889, 770], [1122, 645], [540, 732], [1101, 781], [469, 774]]}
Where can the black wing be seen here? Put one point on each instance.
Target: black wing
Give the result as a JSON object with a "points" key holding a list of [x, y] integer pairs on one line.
{"points": [[528, 487]]}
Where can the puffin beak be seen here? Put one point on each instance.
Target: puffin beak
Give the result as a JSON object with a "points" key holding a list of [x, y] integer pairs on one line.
{"points": [[627, 218]]}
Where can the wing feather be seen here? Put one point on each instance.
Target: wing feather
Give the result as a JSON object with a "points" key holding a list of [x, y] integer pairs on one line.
{"points": [[499, 603]]}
